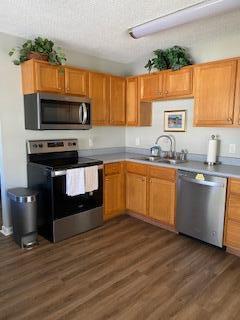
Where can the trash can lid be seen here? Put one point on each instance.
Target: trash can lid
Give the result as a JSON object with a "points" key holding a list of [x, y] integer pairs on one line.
{"points": [[22, 194]]}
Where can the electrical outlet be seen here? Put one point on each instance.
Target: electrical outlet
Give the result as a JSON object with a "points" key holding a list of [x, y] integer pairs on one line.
{"points": [[232, 148], [137, 141], [90, 142]]}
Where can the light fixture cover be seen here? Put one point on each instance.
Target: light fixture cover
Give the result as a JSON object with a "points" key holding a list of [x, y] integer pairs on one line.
{"points": [[199, 11]]}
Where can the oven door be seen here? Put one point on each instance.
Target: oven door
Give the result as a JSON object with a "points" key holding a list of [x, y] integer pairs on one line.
{"points": [[64, 205], [56, 114]]}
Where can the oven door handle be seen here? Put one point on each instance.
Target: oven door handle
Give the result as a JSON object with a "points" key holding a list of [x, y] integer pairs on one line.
{"points": [[59, 173]]}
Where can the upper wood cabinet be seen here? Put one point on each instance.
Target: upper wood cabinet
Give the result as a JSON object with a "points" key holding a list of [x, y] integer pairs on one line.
{"points": [[40, 76], [76, 81], [237, 97], [114, 189], [137, 113], [178, 83], [167, 84], [151, 86], [214, 91], [117, 101], [99, 92]]}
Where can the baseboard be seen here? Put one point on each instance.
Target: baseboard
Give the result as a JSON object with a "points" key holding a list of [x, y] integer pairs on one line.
{"points": [[233, 251], [6, 231]]}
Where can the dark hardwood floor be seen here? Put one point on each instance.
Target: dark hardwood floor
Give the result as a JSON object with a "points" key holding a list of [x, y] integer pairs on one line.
{"points": [[125, 270]]}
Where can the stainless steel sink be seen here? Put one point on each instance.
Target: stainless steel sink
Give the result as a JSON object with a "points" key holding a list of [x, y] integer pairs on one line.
{"points": [[160, 160]]}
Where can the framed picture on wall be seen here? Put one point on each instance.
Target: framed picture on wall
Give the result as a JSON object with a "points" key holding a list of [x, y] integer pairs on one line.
{"points": [[175, 121]]}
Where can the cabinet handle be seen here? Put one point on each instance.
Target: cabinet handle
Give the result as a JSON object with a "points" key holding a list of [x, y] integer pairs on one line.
{"points": [[166, 92], [106, 179], [229, 119]]}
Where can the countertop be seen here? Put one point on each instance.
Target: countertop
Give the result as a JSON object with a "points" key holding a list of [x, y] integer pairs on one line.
{"points": [[221, 170]]}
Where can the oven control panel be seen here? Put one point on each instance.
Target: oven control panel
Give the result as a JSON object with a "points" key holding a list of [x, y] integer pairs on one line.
{"points": [[48, 146]]}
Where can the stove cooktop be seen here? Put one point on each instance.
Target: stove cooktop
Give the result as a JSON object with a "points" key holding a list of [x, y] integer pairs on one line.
{"points": [[67, 163]]}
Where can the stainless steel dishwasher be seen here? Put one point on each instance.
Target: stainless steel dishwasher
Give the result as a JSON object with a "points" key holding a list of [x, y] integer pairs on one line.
{"points": [[201, 206]]}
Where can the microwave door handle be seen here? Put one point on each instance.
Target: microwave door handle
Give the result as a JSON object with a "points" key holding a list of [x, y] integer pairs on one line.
{"points": [[84, 113], [80, 111]]}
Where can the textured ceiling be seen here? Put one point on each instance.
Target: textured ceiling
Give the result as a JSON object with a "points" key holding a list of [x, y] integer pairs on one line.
{"points": [[99, 27]]}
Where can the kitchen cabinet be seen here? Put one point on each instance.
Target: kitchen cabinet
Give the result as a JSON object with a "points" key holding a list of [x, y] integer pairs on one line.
{"points": [[237, 97], [162, 195], [167, 84], [114, 190], [99, 93], [178, 83], [117, 101], [232, 220], [151, 86], [214, 92], [137, 113], [40, 76], [76, 81], [136, 187]]}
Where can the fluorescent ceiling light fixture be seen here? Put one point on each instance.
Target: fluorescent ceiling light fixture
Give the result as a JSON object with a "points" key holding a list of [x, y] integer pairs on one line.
{"points": [[204, 9]]}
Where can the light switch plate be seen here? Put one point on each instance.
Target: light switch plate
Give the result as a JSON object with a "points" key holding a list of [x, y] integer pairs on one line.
{"points": [[137, 141], [232, 148], [90, 142]]}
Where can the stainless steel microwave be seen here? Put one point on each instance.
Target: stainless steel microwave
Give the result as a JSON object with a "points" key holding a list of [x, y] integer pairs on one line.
{"points": [[44, 111]]}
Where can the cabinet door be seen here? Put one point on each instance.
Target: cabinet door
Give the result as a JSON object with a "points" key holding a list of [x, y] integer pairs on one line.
{"points": [[237, 97], [117, 101], [136, 193], [48, 77], [178, 83], [113, 195], [162, 194], [76, 81], [132, 101], [99, 93], [214, 88], [151, 86]]}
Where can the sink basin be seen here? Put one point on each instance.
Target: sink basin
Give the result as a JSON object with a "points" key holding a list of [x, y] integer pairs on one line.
{"points": [[160, 160]]}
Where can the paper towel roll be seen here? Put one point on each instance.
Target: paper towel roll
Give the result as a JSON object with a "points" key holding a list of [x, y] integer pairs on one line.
{"points": [[212, 150]]}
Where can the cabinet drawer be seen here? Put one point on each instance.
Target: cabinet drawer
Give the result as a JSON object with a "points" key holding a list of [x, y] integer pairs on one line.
{"points": [[235, 186], [112, 168], [137, 168], [162, 173], [233, 234]]}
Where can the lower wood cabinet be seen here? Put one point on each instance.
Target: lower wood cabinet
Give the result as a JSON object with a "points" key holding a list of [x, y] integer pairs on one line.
{"points": [[232, 220], [162, 195], [114, 189], [151, 191], [136, 193]]}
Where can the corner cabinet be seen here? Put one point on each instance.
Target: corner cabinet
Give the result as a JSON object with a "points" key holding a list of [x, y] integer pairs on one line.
{"points": [[214, 92], [117, 101], [137, 113], [99, 93], [114, 189]]}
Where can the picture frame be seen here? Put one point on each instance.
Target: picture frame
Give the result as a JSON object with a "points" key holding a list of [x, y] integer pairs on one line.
{"points": [[175, 121]]}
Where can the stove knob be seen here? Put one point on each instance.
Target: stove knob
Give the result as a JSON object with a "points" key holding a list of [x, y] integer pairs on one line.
{"points": [[70, 144], [74, 143], [35, 145], [40, 145]]}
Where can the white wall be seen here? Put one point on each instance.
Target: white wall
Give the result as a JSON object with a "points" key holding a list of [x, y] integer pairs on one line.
{"points": [[194, 139], [14, 136], [221, 47]]}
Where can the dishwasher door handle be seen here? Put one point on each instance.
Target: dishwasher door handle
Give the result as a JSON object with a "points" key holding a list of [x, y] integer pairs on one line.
{"points": [[203, 182]]}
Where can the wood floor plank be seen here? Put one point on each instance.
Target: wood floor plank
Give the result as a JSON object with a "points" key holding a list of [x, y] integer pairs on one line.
{"points": [[125, 270]]}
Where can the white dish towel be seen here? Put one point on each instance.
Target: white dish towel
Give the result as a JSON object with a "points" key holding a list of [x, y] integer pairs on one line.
{"points": [[91, 178], [75, 182]]}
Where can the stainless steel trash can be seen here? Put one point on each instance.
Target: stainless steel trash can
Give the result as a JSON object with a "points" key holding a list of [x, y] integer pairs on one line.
{"points": [[23, 205]]}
